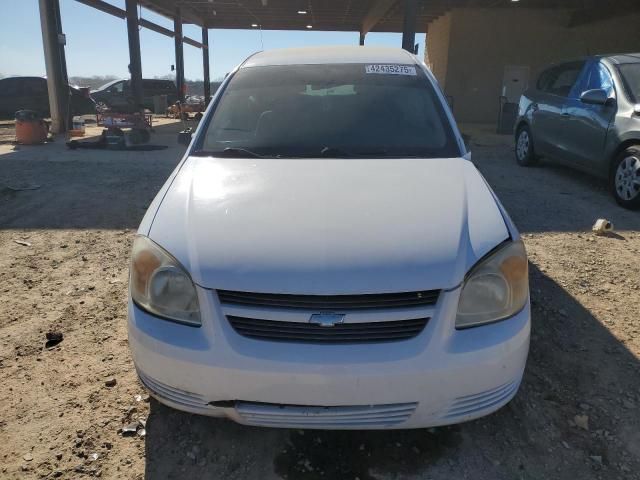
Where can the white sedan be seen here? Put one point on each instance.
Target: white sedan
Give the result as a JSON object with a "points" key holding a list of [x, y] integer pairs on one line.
{"points": [[326, 255]]}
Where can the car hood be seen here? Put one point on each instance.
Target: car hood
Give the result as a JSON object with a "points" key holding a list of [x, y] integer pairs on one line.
{"points": [[328, 226]]}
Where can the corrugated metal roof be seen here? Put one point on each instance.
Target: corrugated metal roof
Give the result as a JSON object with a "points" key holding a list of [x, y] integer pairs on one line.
{"points": [[352, 15]]}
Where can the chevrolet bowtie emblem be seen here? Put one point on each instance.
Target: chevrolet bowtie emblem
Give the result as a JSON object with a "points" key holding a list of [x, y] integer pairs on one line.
{"points": [[327, 319]]}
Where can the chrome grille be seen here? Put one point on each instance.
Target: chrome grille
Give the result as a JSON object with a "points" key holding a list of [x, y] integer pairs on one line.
{"points": [[339, 417], [330, 302], [370, 332]]}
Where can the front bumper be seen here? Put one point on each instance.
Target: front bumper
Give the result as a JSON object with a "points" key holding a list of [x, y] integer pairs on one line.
{"points": [[440, 377]]}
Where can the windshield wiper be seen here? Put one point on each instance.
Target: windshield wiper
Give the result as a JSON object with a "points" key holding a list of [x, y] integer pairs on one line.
{"points": [[333, 152], [237, 152], [325, 152]]}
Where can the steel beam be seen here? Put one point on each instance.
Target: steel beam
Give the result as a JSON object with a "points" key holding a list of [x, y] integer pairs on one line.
{"points": [[118, 12], [104, 7], [409, 25], [135, 62], [192, 42], [165, 8], [177, 29], [57, 82], [155, 27], [375, 14], [205, 65]]}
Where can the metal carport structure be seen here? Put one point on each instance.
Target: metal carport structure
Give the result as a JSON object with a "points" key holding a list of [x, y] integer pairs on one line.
{"points": [[361, 16]]}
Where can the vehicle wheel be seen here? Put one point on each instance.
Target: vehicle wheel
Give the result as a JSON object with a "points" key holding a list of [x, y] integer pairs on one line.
{"points": [[624, 180], [525, 154]]}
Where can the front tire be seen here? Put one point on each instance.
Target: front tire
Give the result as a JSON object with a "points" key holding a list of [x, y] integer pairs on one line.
{"points": [[624, 180], [525, 153]]}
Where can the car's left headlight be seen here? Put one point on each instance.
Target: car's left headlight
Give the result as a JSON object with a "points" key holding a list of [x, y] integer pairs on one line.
{"points": [[496, 288], [160, 285]]}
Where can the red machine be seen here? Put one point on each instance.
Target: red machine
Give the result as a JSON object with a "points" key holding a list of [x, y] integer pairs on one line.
{"points": [[139, 124]]}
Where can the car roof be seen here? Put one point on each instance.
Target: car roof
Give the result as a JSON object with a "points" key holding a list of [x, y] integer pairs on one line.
{"points": [[144, 80], [327, 55], [615, 58], [112, 82], [619, 58], [24, 78]]}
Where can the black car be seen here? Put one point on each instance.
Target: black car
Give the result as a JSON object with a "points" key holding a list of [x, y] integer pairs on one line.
{"points": [[30, 93], [116, 95]]}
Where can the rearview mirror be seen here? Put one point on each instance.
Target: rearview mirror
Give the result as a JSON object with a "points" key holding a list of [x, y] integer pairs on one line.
{"points": [[595, 97]]}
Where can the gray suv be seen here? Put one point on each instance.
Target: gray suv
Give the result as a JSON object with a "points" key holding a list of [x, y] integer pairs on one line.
{"points": [[586, 114]]}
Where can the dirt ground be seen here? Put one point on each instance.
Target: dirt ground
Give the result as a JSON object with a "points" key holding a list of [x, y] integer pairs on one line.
{"points": [[66, 224]]}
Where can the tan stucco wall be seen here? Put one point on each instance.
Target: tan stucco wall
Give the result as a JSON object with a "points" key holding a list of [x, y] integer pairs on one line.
{"points": [[437, 47], [481, 42]]}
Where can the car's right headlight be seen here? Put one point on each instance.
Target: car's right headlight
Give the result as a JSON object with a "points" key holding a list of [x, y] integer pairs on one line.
{"points": [[160, 285], [496, 288]]}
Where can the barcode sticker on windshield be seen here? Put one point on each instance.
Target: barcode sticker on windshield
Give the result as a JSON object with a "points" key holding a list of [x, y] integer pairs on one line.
{"points": [[391, 69]]}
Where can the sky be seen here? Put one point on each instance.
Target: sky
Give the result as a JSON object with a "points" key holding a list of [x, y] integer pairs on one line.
{"points": [[97, 42]]}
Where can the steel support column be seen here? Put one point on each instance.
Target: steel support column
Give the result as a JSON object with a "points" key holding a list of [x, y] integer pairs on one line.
{"points": [[55, 62], [409, 25], [135, 62], [177, 31], [205, 65], [362, 35]]}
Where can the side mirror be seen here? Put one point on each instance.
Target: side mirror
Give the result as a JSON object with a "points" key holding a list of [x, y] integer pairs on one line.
{"points": [[184, 137], [595, 97]]}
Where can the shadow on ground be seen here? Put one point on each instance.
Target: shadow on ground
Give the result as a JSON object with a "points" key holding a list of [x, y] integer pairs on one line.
{"points": [[94, 189], [531, 438]]}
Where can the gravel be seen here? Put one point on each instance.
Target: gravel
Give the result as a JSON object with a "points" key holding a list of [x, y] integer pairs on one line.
{"points": [[583, 369]]}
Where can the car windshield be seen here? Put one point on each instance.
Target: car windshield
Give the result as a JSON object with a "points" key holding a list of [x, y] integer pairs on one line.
{"points": [[631, 75], [342, 110]]}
